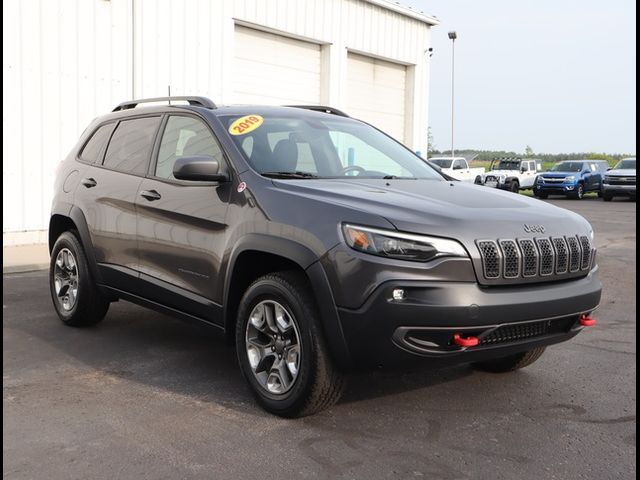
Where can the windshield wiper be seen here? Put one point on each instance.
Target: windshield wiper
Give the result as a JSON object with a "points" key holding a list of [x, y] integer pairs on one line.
{"points": [[296, 174], [395, 177]]}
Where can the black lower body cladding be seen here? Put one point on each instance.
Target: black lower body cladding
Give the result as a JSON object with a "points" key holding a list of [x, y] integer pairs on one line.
{"points": [[421, 326]]}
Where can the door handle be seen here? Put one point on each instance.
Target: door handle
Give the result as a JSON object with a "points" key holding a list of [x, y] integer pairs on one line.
{"points": [[150, 195], [89, 182]]}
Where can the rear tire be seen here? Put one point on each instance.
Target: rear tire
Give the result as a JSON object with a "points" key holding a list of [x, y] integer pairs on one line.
{"points": [[510, 363], [74, 293], [308, 382]]}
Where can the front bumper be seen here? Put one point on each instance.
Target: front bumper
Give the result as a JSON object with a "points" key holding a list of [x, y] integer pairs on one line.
{"points": [[554, 188], [510, 319], [619, 189]]}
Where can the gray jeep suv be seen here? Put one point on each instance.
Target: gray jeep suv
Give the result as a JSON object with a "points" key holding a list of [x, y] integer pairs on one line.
{"points": [[319, 244]]}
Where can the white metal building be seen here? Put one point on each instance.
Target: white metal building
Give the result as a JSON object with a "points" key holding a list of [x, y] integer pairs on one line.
{"points": [[68, 61]]}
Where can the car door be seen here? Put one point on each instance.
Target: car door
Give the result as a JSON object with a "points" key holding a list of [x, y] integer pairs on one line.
{"points": [[459, 170], [595, 178], [528, 175], [181, 225], [107, 193]]}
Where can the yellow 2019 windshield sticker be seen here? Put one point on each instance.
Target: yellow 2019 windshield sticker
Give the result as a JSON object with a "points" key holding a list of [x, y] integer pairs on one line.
{"points": [[246, 124]]}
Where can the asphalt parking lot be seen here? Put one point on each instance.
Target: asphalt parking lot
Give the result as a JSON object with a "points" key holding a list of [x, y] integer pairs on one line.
{"points": [[146, 396]]}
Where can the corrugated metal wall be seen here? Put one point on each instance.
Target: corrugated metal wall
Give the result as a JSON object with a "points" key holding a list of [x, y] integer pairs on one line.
{"points": [[63, 63], [67, 61]]}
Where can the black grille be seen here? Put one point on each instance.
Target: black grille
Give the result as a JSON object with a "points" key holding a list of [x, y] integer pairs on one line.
{"points": [[511, 258], [530, 257], [490, 258], [562, 255], [586, 252], [620, 180], [546, 256], [512, 333], [524, 331], [574, 254]]}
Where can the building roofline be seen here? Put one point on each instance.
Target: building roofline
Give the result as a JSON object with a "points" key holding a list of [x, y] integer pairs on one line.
{"points": [[406, 11]]}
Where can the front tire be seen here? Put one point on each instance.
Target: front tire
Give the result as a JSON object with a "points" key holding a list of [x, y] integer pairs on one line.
{"points": [[75, 296], [579, 193], [514, 187], [281, 348], [510, 363], [607, 197]]}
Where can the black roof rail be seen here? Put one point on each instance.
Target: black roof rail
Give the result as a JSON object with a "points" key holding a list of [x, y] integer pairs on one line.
{"points": [[321, 108], [196, 101]]}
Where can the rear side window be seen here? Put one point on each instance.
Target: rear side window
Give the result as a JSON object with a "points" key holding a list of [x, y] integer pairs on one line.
{"points": [[130, 146], [184, 137], [93, 148]]}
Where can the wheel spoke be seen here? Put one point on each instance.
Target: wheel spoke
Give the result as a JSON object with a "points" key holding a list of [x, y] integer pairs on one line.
{"points": [[269, 315], [291, 358], [258, 317], [282, 318]]}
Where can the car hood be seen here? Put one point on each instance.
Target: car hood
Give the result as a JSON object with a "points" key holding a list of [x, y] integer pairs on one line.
{"points": [[623, 172], [559, 174], [449, 209]]}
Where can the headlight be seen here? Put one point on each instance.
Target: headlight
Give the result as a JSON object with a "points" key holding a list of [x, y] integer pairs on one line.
{"points": [[538, 179], [402, 246], [592, 236], [570, 178]]}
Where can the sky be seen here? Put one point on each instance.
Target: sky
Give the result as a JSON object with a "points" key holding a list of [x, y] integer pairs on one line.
{"points": [[559, 75]]}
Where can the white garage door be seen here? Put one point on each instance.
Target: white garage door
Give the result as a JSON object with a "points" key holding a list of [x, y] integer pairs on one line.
{"points": [[376, 93], [276, 70]]}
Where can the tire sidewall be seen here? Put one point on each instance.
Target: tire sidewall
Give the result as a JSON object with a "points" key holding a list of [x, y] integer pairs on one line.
{"points": [[303, 316], [580, 191]]}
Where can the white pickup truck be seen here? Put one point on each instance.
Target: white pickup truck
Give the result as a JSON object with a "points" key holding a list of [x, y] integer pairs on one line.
{"points": [[458, 168], [513, 174]]}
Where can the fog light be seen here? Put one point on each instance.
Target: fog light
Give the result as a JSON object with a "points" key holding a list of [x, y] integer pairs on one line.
{"points": [[399, 294]]}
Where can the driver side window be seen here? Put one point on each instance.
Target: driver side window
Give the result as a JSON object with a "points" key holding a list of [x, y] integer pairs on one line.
{"points": [[184, 136]]}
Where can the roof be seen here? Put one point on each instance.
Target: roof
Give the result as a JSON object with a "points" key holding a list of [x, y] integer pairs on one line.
{"points": [[406, 11]]}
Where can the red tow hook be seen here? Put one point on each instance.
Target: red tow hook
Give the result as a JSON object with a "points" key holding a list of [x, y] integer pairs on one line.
{"points": [[587, 321], [465, 342]]}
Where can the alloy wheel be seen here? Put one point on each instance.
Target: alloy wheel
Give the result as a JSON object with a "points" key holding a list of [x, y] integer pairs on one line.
{"points": [[273, 346], [65, 278]]}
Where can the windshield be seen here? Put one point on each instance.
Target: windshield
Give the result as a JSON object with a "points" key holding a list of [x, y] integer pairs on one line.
{"points": [[507, 165], [441, 162], [316, 147], [567, 167], [627, 163]]}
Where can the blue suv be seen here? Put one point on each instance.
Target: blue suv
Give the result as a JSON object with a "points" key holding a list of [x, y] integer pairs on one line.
{"points": [[571, 178]]}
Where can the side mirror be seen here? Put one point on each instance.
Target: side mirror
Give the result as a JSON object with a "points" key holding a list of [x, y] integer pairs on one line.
{"points": [[201, 168], [523, 169]]}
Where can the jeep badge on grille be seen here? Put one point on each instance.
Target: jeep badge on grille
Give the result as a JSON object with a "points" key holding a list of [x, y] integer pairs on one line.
{"points": [[533, 228]]}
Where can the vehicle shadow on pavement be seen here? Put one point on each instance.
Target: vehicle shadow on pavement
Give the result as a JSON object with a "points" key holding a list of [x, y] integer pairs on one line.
{"points": [[138, 345]]}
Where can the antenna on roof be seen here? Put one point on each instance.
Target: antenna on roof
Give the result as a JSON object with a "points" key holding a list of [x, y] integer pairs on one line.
{"points": [[169, 93]]}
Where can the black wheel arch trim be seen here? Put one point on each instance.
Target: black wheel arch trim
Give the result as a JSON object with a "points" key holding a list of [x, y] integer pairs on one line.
{"points": [[308, 261], [76, 215]]}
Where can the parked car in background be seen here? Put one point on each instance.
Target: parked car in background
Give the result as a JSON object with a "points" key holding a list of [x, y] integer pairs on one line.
{"points": [[513, 174], [571, 178], [458, 168], [620, 180]]}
